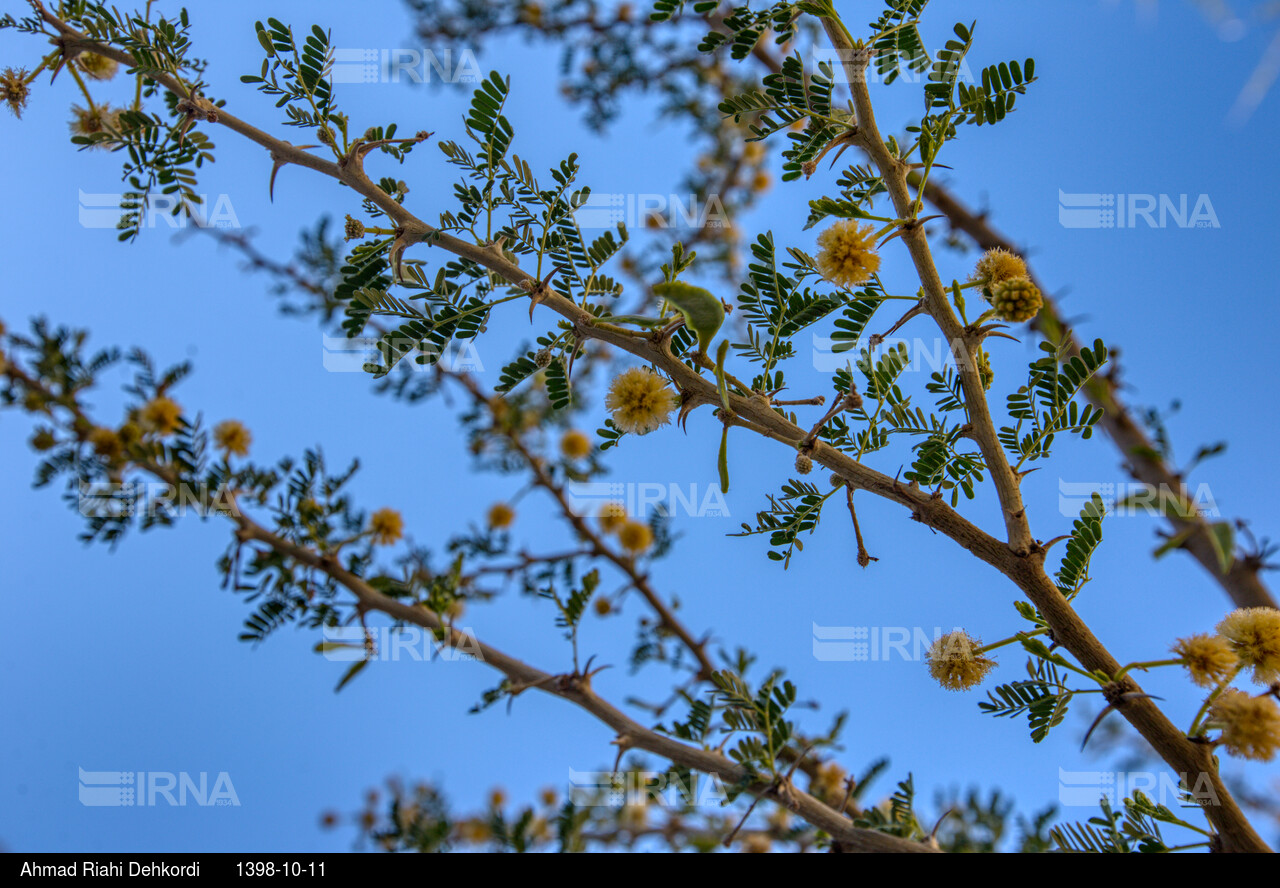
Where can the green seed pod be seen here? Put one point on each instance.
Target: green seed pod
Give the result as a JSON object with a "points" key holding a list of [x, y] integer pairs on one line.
{"points": [[703, 312]]}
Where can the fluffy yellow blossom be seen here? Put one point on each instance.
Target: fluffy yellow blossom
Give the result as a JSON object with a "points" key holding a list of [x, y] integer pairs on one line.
{"points": [[574, 444], [387, 526], [160, 415], [635, 537], [603, 607], [639, 401], [1254, 635], [44, 440], [88, 121], [828, 782], [633, 816], [612, 517], [231, 436], [847, 255], [1250, 725], [1208, 658], [473, 831], [996, 266], [106, 442], [955, 663], [14, 90], [96, 66], [501, 516]]}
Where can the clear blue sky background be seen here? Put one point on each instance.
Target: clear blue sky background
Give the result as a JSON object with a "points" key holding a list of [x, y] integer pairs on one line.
{"points": [[128, 660]]}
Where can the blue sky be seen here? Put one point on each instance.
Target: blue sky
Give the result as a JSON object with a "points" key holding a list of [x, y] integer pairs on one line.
{"points": [[128, 660]]}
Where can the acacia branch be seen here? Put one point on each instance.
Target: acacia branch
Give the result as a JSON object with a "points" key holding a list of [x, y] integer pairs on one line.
{"points": [[1142, 459], [574, 687], [595, 542], [1021, 558]]}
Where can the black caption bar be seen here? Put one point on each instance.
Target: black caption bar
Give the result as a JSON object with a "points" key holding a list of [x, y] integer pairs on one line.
{"points": [[262, 868]]}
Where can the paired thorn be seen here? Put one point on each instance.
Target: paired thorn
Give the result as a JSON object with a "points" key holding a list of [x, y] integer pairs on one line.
{"points": [[877, 338], [904, 226], [840, 144], [539, 290], [398, 246], [195, 108], [688, 403], [276, 163], [1119, 700]]}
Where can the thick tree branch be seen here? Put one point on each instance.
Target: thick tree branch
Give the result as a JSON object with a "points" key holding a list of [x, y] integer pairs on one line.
{"points": [[1021, 558], [1242, 581], [575, 688]]}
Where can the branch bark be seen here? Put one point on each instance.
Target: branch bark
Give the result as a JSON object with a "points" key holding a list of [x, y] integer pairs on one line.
{"points": [[1242, 581], [1021, 558]]}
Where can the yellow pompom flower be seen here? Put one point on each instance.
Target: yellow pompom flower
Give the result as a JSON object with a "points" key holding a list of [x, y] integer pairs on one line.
{"points": [[828, 782], [847, 255], [14, 90], [501, 516], [612, 517], [473, 831], [160, 415], [634, 816], [231, 436], [639, 401], [997, 266], [635, 537], [44, 440], [96, 66], [1208, 658], [1254, 635], [387, 526], [1250, 725], [574, 444], [106, 443], [88, 121], [956, 664]]}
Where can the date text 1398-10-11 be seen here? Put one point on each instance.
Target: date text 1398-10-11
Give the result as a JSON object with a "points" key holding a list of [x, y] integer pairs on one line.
{"points": [[286, 868]]}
